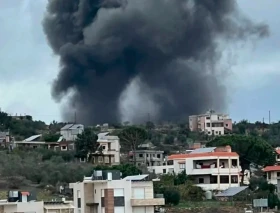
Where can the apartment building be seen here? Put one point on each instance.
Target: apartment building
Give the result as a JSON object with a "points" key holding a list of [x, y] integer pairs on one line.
{"points": [[147, 157], [272, 174], [213, 168], [106, 192], [211, 123], [108, 151]]}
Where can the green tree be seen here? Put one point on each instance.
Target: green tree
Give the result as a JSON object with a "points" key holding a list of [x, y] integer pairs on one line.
{"points": [[250, 149], [86, 143], [171, 196], [150, 125], [169, 139], [131, 137]]}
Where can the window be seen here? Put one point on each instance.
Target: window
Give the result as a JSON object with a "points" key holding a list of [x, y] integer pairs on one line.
{"points": [[100, 159], [226, 125], [216, 132], [107, 160], [164, 171], [158, 155], [213, 179], [209, 133], [79, 198], [140, 155], [63, 147], [269, 175], [208, 124], [207, 118], [103, 147], [220, 132], [278, 174], [224, 179], [182, 166], [200, 180], [234, 179], [118, 192], [147, 155], [82, 160]]}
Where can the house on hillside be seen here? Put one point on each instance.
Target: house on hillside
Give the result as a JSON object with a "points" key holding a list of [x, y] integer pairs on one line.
{"points": [[212, 168], [108, 150], [4, 138], [211, 123], [70, 131], [147, 157]]}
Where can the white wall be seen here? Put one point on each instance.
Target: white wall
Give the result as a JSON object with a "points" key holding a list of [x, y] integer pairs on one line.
{"points": [[274, 177], [159, 169], [37, 207]]}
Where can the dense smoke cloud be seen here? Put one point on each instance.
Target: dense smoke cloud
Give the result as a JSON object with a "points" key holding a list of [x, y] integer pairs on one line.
{"points": [[170, 46]]}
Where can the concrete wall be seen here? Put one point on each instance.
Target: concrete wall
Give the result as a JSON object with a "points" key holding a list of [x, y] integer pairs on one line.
{"points": [[37, 207], [159, 169]]}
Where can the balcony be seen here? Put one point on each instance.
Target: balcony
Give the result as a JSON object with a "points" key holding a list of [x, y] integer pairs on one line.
{"points": [[206, 171], [148, 202]]}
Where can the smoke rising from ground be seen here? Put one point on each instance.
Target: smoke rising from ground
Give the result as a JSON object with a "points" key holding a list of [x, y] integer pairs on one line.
{"points": [[168, 49]]}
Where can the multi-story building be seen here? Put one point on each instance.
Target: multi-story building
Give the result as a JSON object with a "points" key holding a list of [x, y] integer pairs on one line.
{"points": [[213, 168], [106, 192], [70, 131], [108, 151], [211, 123], [147, 157]]}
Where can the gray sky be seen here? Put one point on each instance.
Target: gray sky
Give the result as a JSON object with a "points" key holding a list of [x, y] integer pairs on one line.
{"points": [[28, 66]]}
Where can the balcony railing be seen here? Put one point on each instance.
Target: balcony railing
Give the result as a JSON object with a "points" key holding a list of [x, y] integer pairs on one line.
{"points": [[148, 202]]}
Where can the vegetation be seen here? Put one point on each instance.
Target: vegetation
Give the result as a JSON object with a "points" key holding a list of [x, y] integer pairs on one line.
{"points": [[86, 144], [250, 149]]}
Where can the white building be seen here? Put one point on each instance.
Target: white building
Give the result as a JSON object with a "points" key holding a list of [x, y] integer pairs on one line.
{"points": [[108, 151], [12, 204], [105, 192], [272, 174], [211, 123], [214, 168], [70, 131]]}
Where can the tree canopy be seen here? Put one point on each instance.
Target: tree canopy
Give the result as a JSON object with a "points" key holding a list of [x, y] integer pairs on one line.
{"points": [[86, 143], [250, 149]]}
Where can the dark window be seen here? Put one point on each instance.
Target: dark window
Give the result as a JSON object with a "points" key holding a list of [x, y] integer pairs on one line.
{"points": [[102, 202], [118, 201], [224, 179], [158, 155], [207, 118], [147, 155], [79, 202], [200, 180], [213, 179], [278, 174], [164, 171], [220, 133], [234, 179], [234, 162], [269, 175], [104, 147], [208, 124], [140, 155]]}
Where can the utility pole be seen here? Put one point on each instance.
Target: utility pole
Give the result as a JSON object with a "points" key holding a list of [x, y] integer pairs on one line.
{"points": [[263, 126]]}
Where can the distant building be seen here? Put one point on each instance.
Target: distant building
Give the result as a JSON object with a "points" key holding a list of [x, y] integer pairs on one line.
{"points": [[272, 174], [5, 138], [106, 192], [147, 157], [70, 131], [108, 151], [211, 123], [213, 168]]}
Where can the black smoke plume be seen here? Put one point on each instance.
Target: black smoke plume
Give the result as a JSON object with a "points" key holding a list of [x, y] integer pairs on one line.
{"points": [[172, 46]]}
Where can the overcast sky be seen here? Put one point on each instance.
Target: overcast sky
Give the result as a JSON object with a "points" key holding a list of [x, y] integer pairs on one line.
{"points": [[28, 66]]}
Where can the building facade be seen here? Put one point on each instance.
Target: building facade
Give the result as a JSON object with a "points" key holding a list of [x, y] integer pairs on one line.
{"points": [[70, 131], [147, 157], [272, 174], [106, 192], [211, 123], [108, 151], [213, 168]]}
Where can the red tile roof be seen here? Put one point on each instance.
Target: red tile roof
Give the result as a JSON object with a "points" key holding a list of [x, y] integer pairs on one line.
{"points": [[271, 168], [278, 151], [207, 154]]}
